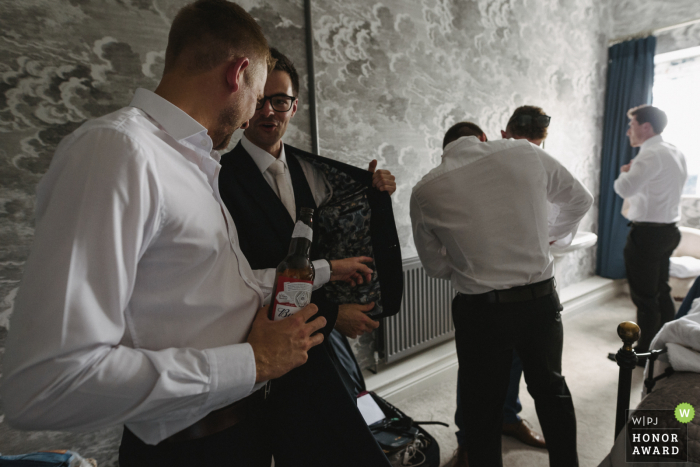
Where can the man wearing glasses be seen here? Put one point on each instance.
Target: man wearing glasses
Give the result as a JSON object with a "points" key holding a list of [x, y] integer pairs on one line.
{"points": [[263, 183], [481, 220]]}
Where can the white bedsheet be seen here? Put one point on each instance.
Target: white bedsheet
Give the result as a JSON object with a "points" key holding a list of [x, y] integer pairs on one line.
{"points": [[682, 338]]}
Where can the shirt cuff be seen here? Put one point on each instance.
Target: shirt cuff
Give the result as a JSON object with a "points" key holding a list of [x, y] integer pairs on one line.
{"points": [[562, 242], [233, 374], [322, 270]]}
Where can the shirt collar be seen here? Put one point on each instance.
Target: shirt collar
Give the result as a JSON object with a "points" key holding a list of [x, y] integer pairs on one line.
{"points": [[653, 140], [262, 158], [464, 141], [174, 120], [183, 128]]}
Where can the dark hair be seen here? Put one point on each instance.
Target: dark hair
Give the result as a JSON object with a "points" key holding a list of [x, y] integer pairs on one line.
{"points": [[208, 32], [461, 129], [530, 130], [285, 64], [648, 113]]}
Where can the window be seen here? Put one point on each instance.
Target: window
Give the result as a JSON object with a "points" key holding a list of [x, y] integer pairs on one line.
{"points": [[677, 92]]}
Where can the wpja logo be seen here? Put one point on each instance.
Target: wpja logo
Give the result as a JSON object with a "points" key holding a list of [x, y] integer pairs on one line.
{"points": [[659, 435]]}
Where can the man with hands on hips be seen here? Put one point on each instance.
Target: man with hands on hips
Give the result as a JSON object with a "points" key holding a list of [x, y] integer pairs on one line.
{"points": [[480, 219]]}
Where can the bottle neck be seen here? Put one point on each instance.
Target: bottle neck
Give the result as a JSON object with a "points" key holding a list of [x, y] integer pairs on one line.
{"points": [[299, 246]]}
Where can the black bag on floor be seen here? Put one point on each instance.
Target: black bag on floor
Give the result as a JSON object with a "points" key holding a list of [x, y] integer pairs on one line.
{"points": [[403, 440]]}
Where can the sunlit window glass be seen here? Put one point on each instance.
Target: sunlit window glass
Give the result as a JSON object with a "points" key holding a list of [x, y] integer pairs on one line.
{"points": [[677, 92]]}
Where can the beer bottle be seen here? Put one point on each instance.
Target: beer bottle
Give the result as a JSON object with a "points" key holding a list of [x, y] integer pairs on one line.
{"points": [[295, 274]]}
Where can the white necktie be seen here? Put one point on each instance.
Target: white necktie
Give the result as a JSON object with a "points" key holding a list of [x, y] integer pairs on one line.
{"points": [[285, 190]]}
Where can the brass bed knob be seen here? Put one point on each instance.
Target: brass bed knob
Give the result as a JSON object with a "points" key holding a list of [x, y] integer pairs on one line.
{"points": [[629, 333]]}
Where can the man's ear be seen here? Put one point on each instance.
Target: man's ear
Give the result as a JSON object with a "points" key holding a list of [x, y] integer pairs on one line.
{"points": [[234, 73], [648, 128], [483, 138], [504, 135], [294, 108]]}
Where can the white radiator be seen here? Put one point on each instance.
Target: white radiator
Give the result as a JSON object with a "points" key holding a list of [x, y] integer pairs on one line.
{"points": [[425, 318]]}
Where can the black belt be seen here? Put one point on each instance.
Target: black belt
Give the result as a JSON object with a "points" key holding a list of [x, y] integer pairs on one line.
{"points": [[522, 293], [221, 419], [651, 224]]}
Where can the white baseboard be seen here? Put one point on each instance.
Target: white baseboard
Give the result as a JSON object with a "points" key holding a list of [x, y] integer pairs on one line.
{"points": [[578, 298], [412, 375], [419, 372]]}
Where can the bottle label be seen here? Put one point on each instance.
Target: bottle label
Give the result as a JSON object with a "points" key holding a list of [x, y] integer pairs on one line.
{"points": [[291, 296], [302, 230]]}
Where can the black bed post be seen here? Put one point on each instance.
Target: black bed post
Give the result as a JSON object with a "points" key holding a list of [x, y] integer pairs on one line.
{"points": [[627, 361]]}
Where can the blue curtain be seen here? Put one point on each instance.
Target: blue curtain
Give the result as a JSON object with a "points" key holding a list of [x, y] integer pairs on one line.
{"points": [[630, 81]]}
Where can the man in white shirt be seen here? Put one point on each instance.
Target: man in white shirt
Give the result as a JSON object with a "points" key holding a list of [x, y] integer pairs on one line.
{"points": [[530, 123], [651, 184], [480, 219], [137, 306]]}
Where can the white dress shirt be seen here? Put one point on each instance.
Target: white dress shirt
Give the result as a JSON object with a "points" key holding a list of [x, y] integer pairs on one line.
{"points": [[481, 218], [654, 183], [136, 300], [320, 188]]}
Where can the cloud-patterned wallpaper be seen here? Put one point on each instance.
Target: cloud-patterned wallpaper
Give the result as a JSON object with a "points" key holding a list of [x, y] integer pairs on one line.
{"points": [[678, 38], [634, 17], [392, 76]]}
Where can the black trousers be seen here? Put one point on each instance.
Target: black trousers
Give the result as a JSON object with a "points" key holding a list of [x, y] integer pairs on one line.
{"points": [[308, 420], [245, 444], [486, 334], [647, 254]]}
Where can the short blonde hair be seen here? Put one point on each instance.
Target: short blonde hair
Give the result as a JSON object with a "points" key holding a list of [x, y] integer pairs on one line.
{"points": [[208, 32]]}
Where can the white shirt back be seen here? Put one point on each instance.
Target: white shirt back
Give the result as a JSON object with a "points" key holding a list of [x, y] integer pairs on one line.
{"points": [[480, 218]]}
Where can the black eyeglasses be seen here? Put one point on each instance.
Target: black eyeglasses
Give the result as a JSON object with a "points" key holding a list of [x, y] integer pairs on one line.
{"points": [[279, 102], [541, 121]]}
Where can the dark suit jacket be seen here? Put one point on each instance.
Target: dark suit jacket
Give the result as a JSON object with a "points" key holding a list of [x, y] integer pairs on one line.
{"points": [[311, 405], [358, 220]]}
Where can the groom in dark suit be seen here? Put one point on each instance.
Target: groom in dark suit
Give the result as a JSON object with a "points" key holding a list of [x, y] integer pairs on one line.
{"points": [[264, 183]]}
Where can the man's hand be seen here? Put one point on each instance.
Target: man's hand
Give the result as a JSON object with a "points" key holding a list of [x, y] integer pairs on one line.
{"points": [[352, 321], [352, 270], [280, 346], [382, 180], [626, 167]]}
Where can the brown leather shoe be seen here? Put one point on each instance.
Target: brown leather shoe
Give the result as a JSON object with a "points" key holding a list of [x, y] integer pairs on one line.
{"points": [[522, 432], [460, 459]]}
